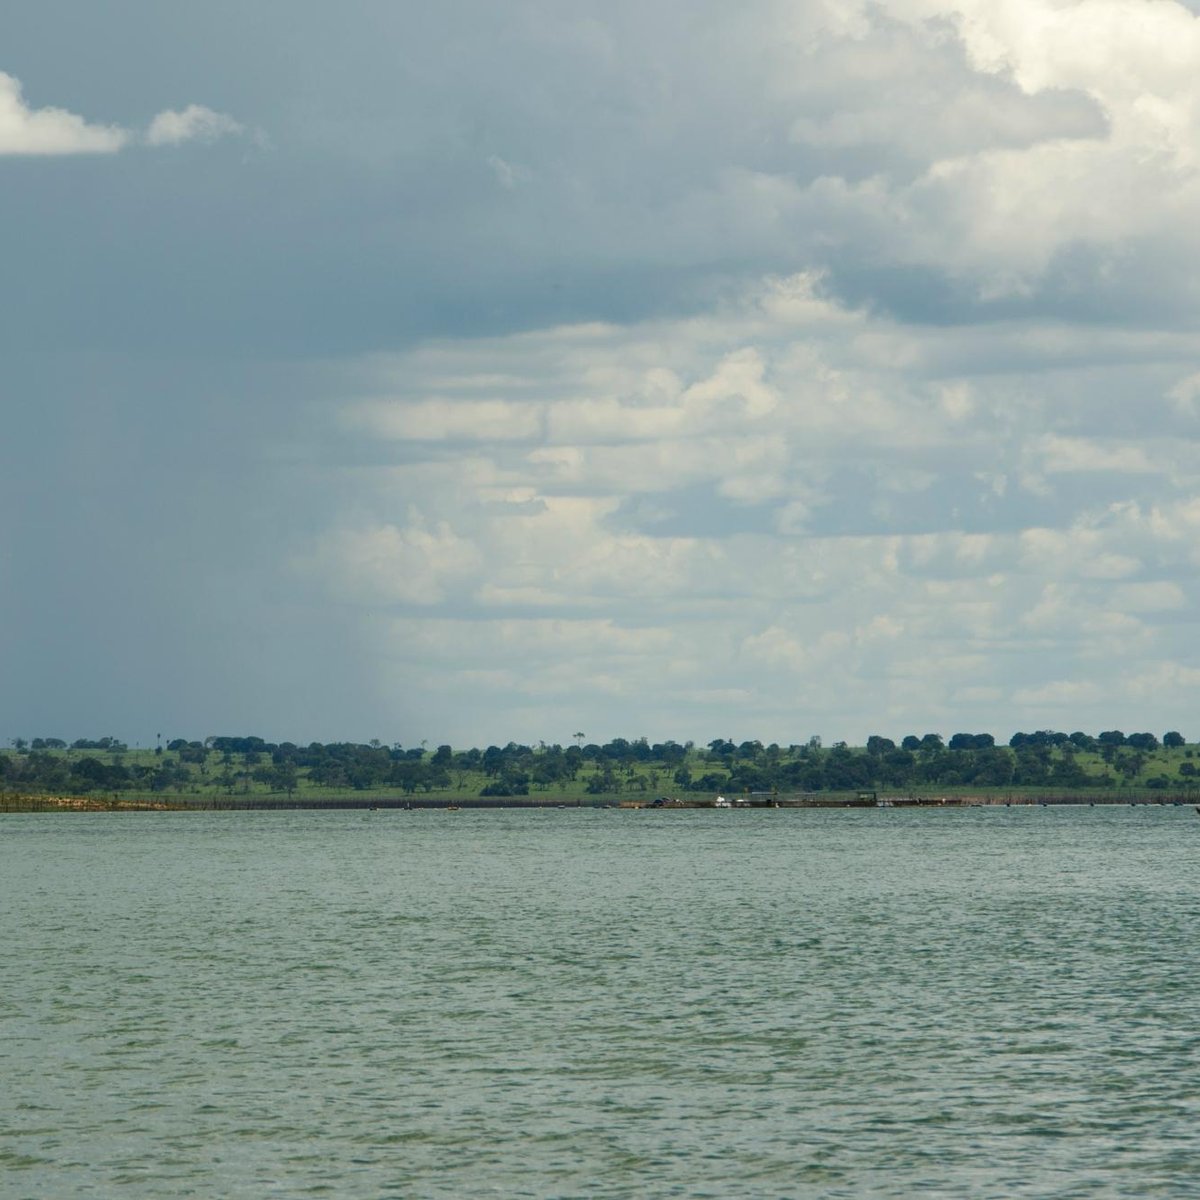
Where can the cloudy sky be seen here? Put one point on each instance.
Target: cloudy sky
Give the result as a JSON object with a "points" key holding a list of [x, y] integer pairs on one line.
{"points": [[471, 372]]}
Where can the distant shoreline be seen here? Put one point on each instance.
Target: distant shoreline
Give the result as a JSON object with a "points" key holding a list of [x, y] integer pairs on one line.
{"points": [[32, 803], [250, 771]]}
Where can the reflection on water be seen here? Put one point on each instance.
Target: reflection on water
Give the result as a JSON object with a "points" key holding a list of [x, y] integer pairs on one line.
{"points": [[600, 1003]]}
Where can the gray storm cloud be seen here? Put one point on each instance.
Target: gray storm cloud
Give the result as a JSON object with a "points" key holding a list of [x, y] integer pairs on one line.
{"points": [[671, 369]]}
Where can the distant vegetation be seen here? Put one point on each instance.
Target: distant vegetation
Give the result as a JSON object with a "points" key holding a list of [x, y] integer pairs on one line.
{"points": [[242, 765]]}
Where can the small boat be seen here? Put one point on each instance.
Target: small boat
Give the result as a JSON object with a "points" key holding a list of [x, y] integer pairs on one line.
{"points": [[452, 808]]}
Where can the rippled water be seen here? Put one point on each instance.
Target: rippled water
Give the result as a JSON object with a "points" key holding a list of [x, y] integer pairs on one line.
{"points": [[600, 1003]]}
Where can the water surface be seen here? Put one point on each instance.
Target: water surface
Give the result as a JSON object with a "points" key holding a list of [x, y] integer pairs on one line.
{"points": [[601, 1003]]}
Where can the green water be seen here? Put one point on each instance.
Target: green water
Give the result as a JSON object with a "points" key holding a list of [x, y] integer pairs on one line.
{"points": [[601, 1003]]}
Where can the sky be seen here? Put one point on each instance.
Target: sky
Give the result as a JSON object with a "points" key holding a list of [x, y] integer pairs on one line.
{"points": [[471, 372]]}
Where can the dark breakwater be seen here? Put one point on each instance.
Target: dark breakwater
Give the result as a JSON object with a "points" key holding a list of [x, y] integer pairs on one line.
{"points": [[16, 803]]}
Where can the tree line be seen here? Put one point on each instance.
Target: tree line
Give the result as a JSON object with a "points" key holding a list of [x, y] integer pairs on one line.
{"points": [[1038, 759]]}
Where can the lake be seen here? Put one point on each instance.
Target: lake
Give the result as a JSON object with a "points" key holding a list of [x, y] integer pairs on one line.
{"points": [[983, 1002]]}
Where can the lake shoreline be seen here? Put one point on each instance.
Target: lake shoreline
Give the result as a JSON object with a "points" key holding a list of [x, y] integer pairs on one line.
{"points": [[28, 803]]}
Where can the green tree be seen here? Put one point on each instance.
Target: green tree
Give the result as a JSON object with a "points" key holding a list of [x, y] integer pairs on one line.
{"points": [[285, 778]]}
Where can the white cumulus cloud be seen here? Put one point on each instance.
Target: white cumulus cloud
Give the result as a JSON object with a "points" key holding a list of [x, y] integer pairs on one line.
{"points": [[193, 123], [56, 131], [50, 131]]}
